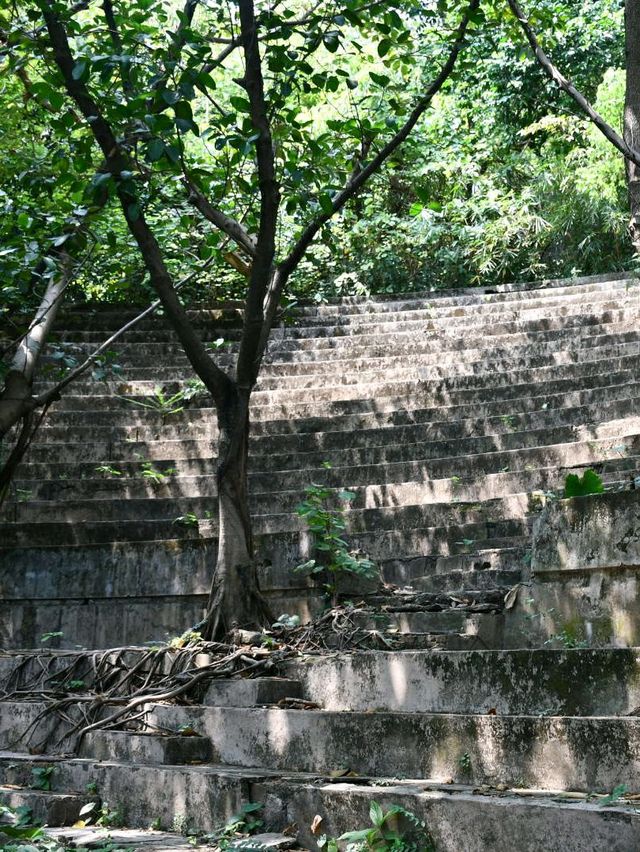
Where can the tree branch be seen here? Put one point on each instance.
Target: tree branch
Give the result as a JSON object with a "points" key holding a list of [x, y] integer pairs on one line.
{"points": [[360, 176], [215, 379], [262, 267], [578, 98], [54, 393], [231, 227]]}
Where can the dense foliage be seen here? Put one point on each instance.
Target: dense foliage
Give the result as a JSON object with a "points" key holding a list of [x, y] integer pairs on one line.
{"points": [[502, 181]]}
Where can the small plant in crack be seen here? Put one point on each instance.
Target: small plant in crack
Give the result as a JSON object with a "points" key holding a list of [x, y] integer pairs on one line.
{"points": [[327, 524]]}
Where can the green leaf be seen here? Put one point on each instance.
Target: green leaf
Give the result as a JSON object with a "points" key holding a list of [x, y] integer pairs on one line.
{"points": [[590, 483], [79, 69], [380, 79], [376, 814], [384, 47], [155, 150]]}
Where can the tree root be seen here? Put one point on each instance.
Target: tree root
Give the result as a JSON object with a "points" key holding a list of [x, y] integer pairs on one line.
{"points": [[111, 689]]}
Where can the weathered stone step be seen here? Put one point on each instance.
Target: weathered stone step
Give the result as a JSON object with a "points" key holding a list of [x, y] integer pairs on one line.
{"points": [[599, 309], [207, 796], [456, 815], [251, 692], [124, 839], [93, 623], [461, 818], [395, 395], [579, 682], [460, 580], [134, 394], [554, 752], [35, 516], [439, 480], [108, 318], [150, 570], [405, 425], [616, 400], [283, 339], [567, 455], [461, 306], [46, 807], [140, 379], [85, 481], [139, 472], [456, 350]]}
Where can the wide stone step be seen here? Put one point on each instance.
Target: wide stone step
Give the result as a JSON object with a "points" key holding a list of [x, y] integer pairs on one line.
{"points": [[134, 394], [618, 400], [548, 752], [316, 433], [93, 623], [282, 340], [473, 302], [119, 485], [206, 796], [601, 308], [145, 379], [457, 816], [46, 807], [85, 481], [579, 682], [151, 357], [108, 318], [114, 520], [398, 395]]}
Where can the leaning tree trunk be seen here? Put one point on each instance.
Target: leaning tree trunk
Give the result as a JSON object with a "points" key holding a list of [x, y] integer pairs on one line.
{"points": [[16, 398], [235, 600], [632, 113]]}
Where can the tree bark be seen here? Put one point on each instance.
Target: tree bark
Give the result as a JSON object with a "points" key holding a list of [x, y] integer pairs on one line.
{"points": [[632, 113], [234, 600], [16, 398]]}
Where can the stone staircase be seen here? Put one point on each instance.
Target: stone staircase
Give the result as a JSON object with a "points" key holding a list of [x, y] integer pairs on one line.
{"points": [[451, 418]]}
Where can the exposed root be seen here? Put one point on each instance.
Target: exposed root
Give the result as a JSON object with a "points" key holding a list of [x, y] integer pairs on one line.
{"points": [[85, 691]]}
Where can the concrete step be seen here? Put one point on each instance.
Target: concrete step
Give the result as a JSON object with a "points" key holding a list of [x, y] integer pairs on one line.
{"points": [[461, 817], [334, 388], [47, 807], [616, 400], [114, 434], [167, 362], [599, 316], [200, 797], [537, 315], [110, 318], [251, 692], [397, 395], [129, 482], [547, 752], [456, 480], [457, 815], [540, 681], [146, 379], [288, 547], [125, 839]]}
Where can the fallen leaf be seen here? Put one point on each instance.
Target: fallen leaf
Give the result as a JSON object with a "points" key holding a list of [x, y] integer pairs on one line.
{"points": [[315, 825]]}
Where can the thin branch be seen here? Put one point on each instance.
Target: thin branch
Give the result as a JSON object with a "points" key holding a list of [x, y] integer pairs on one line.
{"points": [[578, 98], [215, 379], [262, 267], [360, 177], [54, 393], [221, 220]]}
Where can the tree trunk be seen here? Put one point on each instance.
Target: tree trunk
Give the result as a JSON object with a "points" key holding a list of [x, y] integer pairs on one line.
{"points": [[632, 113], [235, 600], [15, 398]]}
